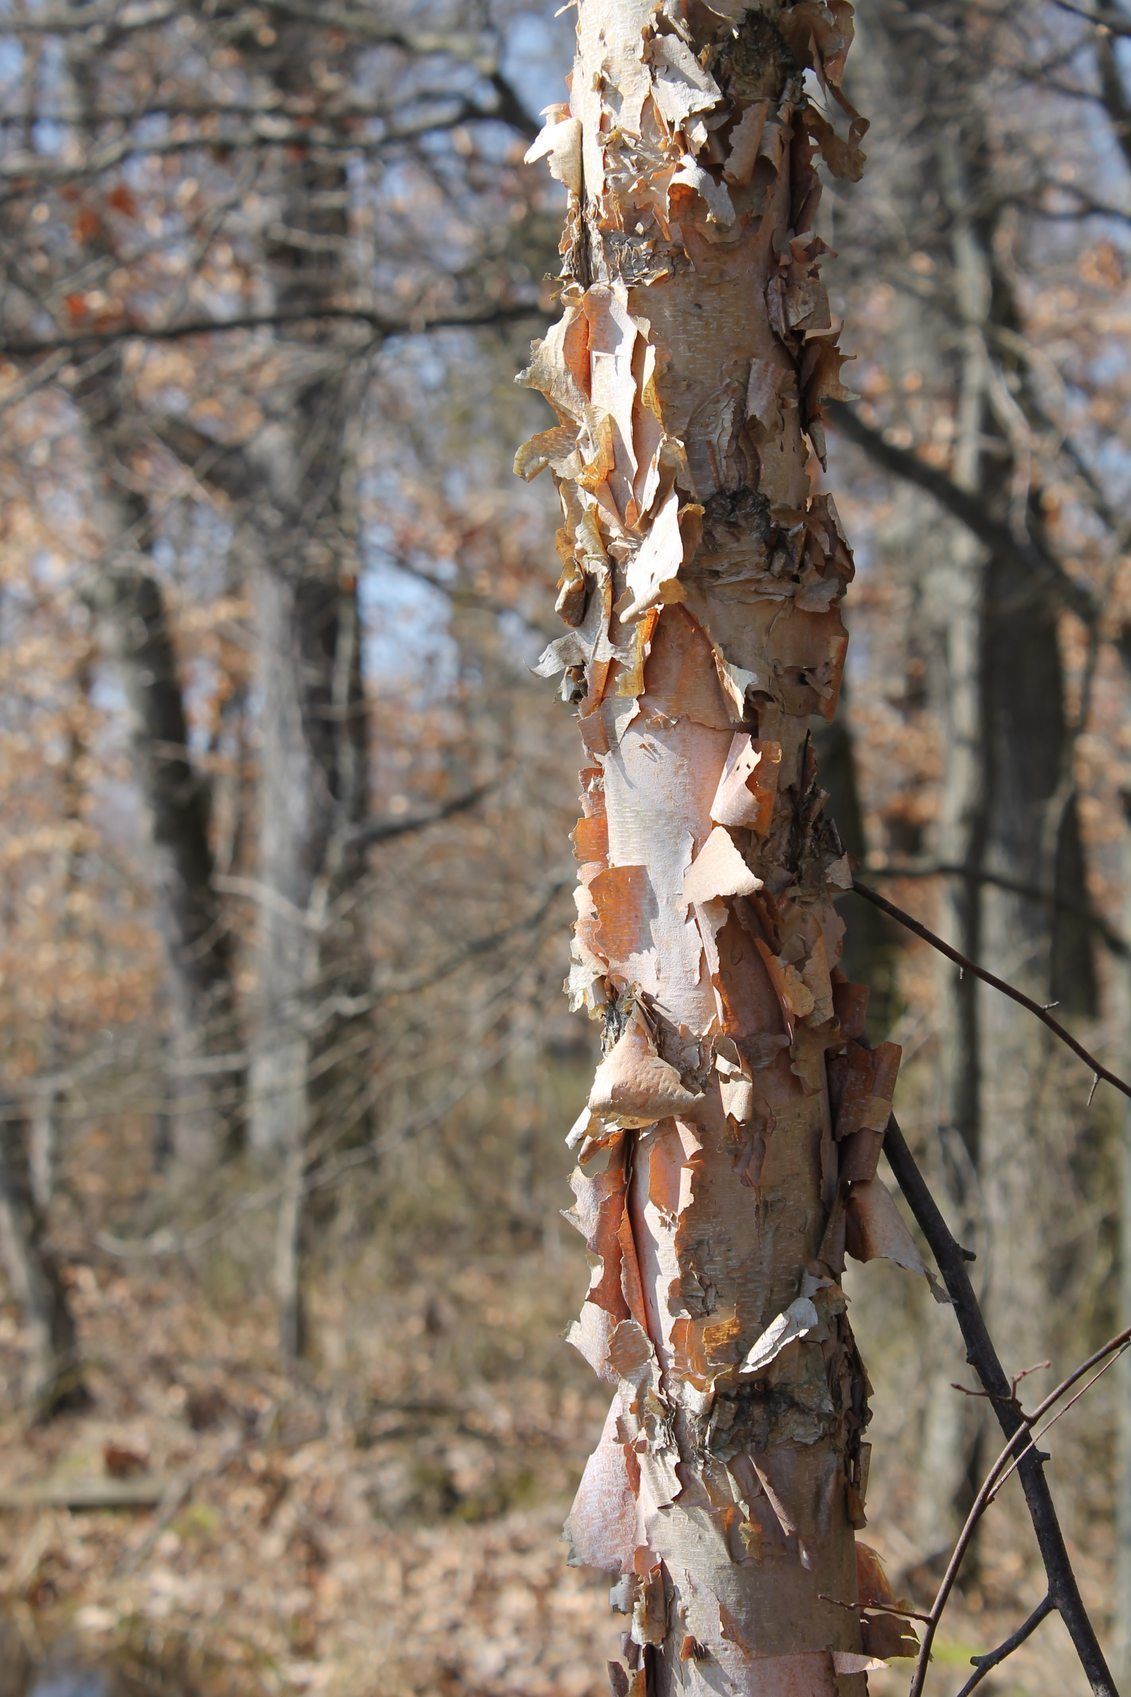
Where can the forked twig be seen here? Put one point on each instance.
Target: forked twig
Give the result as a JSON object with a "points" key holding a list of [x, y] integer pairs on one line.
{"points": [[1020, 1445], [1114, 1348]]}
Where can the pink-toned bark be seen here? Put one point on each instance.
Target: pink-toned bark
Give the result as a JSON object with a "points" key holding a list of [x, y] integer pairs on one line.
{"points": [[728, 1150]]}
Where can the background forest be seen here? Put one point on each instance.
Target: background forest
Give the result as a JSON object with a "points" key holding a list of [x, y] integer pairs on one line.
{"points": [[285, 1067]]}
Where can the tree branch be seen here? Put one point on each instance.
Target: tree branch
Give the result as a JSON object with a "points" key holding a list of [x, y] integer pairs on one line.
{"points": [[362, 24], [1022, 1443], [67, 21], [1111, 938], [1115, 94], [920, 930], [266, 130], [29, 347], [962, 504], [384, 830], [1102, 17], [950, 1259], [986, 1664]]}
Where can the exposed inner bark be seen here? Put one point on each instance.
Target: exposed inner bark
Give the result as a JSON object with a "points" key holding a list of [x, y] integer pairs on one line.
{"points": [[727, 1155]]}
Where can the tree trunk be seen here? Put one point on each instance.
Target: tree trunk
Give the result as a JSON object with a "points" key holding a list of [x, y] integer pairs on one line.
{"points": [[1121, 1568], [129, 607], [205, 1092], [49, 1094], [729, 1146], [53, 1379], [954, 569], [310, 1081], [1026, 825], [308, 1071], [1008, 803]]}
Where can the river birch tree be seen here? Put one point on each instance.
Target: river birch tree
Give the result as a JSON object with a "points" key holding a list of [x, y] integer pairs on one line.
{"points": [[727, 1153]]}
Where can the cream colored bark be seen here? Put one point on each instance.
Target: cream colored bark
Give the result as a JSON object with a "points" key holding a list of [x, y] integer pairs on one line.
{"points": [[727, 1155]]}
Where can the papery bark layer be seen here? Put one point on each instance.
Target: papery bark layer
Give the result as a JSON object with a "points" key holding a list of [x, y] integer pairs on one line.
{"points": [[727, 1155]]}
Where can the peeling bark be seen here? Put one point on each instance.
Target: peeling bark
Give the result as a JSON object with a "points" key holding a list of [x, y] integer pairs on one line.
{"points": [[727, 1154]]}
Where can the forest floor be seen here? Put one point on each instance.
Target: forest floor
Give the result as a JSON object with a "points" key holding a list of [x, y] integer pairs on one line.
{"points": [[389, 1527]]}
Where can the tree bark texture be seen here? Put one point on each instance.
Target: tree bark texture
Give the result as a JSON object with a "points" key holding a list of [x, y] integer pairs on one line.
{"points": [[727, 1153]]}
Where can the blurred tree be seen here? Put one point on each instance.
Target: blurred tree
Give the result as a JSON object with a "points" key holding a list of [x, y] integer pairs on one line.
{"points": [[53, 1379], [965, 383]]}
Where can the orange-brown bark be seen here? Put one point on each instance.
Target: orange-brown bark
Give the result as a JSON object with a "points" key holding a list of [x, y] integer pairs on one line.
{"points": [[727, 1155]]}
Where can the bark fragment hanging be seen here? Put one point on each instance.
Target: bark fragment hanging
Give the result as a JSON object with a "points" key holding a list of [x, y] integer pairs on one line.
{"points": [[728, 1150]]}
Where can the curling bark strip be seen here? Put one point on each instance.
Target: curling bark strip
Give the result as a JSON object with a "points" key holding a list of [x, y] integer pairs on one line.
{"points": [[727, 1154]]}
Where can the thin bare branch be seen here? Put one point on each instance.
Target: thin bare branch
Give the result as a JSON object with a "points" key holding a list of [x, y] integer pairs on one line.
{"points": [[1018, 1447], [964, 505], [1112, 939], [916, 926], [994, 1658], [384, 830], [29, 347], [1102, 17], [951, 1260], [27, 170], [68, 20]]}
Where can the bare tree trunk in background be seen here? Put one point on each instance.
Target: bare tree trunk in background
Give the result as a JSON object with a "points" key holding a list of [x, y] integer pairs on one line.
{"points": [[53, 1379], [49, 1093], [1115, 87], [729, 1146], [1008, 795], [129, 607], [954, 568], [204, 1090], [309, 1075], [1121, 1570], [1030, 831]]}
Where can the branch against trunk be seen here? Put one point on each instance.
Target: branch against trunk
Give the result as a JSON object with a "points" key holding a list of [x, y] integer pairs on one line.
{"points": [[728, 1149]]}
